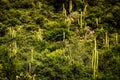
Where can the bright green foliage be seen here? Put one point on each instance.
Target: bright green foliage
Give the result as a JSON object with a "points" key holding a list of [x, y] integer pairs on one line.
{"points": [[59, 40]]}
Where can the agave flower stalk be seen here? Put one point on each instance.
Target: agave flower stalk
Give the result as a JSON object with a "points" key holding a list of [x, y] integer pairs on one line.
{"points": [[70, 6], [31, 59], [82, 16], [64, 10], [80, 21], [97, 22], [15, 47], [95, 59], [116, 38], [32, 54], [106, 40], [63, 36], [84, 11]]}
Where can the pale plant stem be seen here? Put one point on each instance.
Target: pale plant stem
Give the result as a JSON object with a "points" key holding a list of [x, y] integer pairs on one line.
{"points": [[31, 55], [95, 59], [64, 10], [70, 56], [31, 59], [116, 38], [97, 22], [106, 40], [63, 36], [14, 47], [29, 67], [81, 21], [70, 6]]}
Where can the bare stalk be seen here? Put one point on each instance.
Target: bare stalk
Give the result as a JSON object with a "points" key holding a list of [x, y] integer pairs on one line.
{"points": [[64, 10], [116, 38], [70, 6], [97, 22], [106, 40], [81, 20], [95, 60]]}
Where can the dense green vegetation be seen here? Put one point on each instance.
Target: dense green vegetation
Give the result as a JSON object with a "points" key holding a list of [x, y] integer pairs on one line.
{"points": [[59, 39]]}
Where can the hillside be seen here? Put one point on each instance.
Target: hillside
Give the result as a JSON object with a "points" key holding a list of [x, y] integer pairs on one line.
{"points": [[59, 39]]}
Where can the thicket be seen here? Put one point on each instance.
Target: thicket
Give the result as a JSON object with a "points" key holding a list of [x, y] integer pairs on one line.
{"points": [[59, 39]]}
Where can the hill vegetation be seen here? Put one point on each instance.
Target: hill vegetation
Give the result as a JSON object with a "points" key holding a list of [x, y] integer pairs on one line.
{"points": [[59, 39]]}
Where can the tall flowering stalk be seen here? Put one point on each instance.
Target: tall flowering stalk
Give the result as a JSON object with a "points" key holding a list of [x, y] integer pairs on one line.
{"points": [[64, 10], [95, 59], [70, 6]]}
